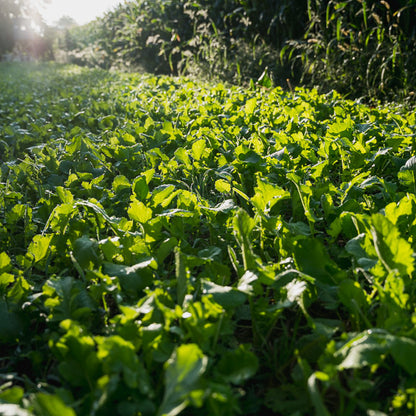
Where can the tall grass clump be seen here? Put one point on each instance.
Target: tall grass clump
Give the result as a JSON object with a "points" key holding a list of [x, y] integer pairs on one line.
{"points": [[359, 47]]}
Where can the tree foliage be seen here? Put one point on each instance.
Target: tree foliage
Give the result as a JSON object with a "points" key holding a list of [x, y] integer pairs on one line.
{"points": [[17, 21]]}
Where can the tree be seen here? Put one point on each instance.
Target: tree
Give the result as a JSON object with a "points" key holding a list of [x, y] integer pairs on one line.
{"points": [[16, 17]]}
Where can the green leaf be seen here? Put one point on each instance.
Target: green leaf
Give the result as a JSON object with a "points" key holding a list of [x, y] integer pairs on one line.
{"points": [[352, 295], [224, 206], [51, 405], [403, 351], [134, 278], [166, 247], [120, 182], [5, 262], [118, 355], [6, 279], [13, 395], [222, 186], [365, 349], [140, 188], [198, 148], [139, 212], [226, 296], [64, 195], [393, 251], [67, 298], [163, 195], [39, 246], [245, 284], [409, 165], [86, 252], [243, 225], [238, 365], [182, 373], [167, 126], [313, 259], [265, 80], [267, 195], [181, 155], [250, 106]]}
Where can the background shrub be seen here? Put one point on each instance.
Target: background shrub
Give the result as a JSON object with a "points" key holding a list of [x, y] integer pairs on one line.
{"points": [[362, 48]]}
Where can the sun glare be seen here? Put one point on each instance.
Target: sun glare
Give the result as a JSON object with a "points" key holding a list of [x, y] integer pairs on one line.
{"points": [[82, 11]]}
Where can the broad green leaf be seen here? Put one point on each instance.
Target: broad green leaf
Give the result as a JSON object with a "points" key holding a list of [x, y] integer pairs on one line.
{"points": [[65, 195], [163, 195], [58, 220], [120, 182], [39, 246], [138, 211], [67, 298], [100, 212], [134, 278], [12, 395], [352, 295], [6, 279], [85, 251], [403, 211], [365, 349], [410, 164], [226, 296], [182, 373], [224, 206], [51, 405], [140, 188], [17, 213], [341, 128], [267, 195], [5, 262], [165, 248], [118, 355], [245, 284], [181, 155], [403, 351], [393, 251], [265, 80], [168, 127], [250, 106], [222, 186], [198, 148], [238, 365], [313, 259]]}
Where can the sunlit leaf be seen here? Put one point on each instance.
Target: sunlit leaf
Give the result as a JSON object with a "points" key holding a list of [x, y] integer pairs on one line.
{"points": [[39, 246], [182, 373]]}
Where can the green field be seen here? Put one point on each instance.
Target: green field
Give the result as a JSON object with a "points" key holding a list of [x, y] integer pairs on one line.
{"points": [[171, 247]]}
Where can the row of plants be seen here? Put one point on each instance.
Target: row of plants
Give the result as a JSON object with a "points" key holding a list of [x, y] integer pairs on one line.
{"points": [[362, 48], [169, 247]]}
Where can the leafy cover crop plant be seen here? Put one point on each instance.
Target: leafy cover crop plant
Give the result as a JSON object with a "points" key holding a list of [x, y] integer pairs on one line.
{"points": [[168, 247]]}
